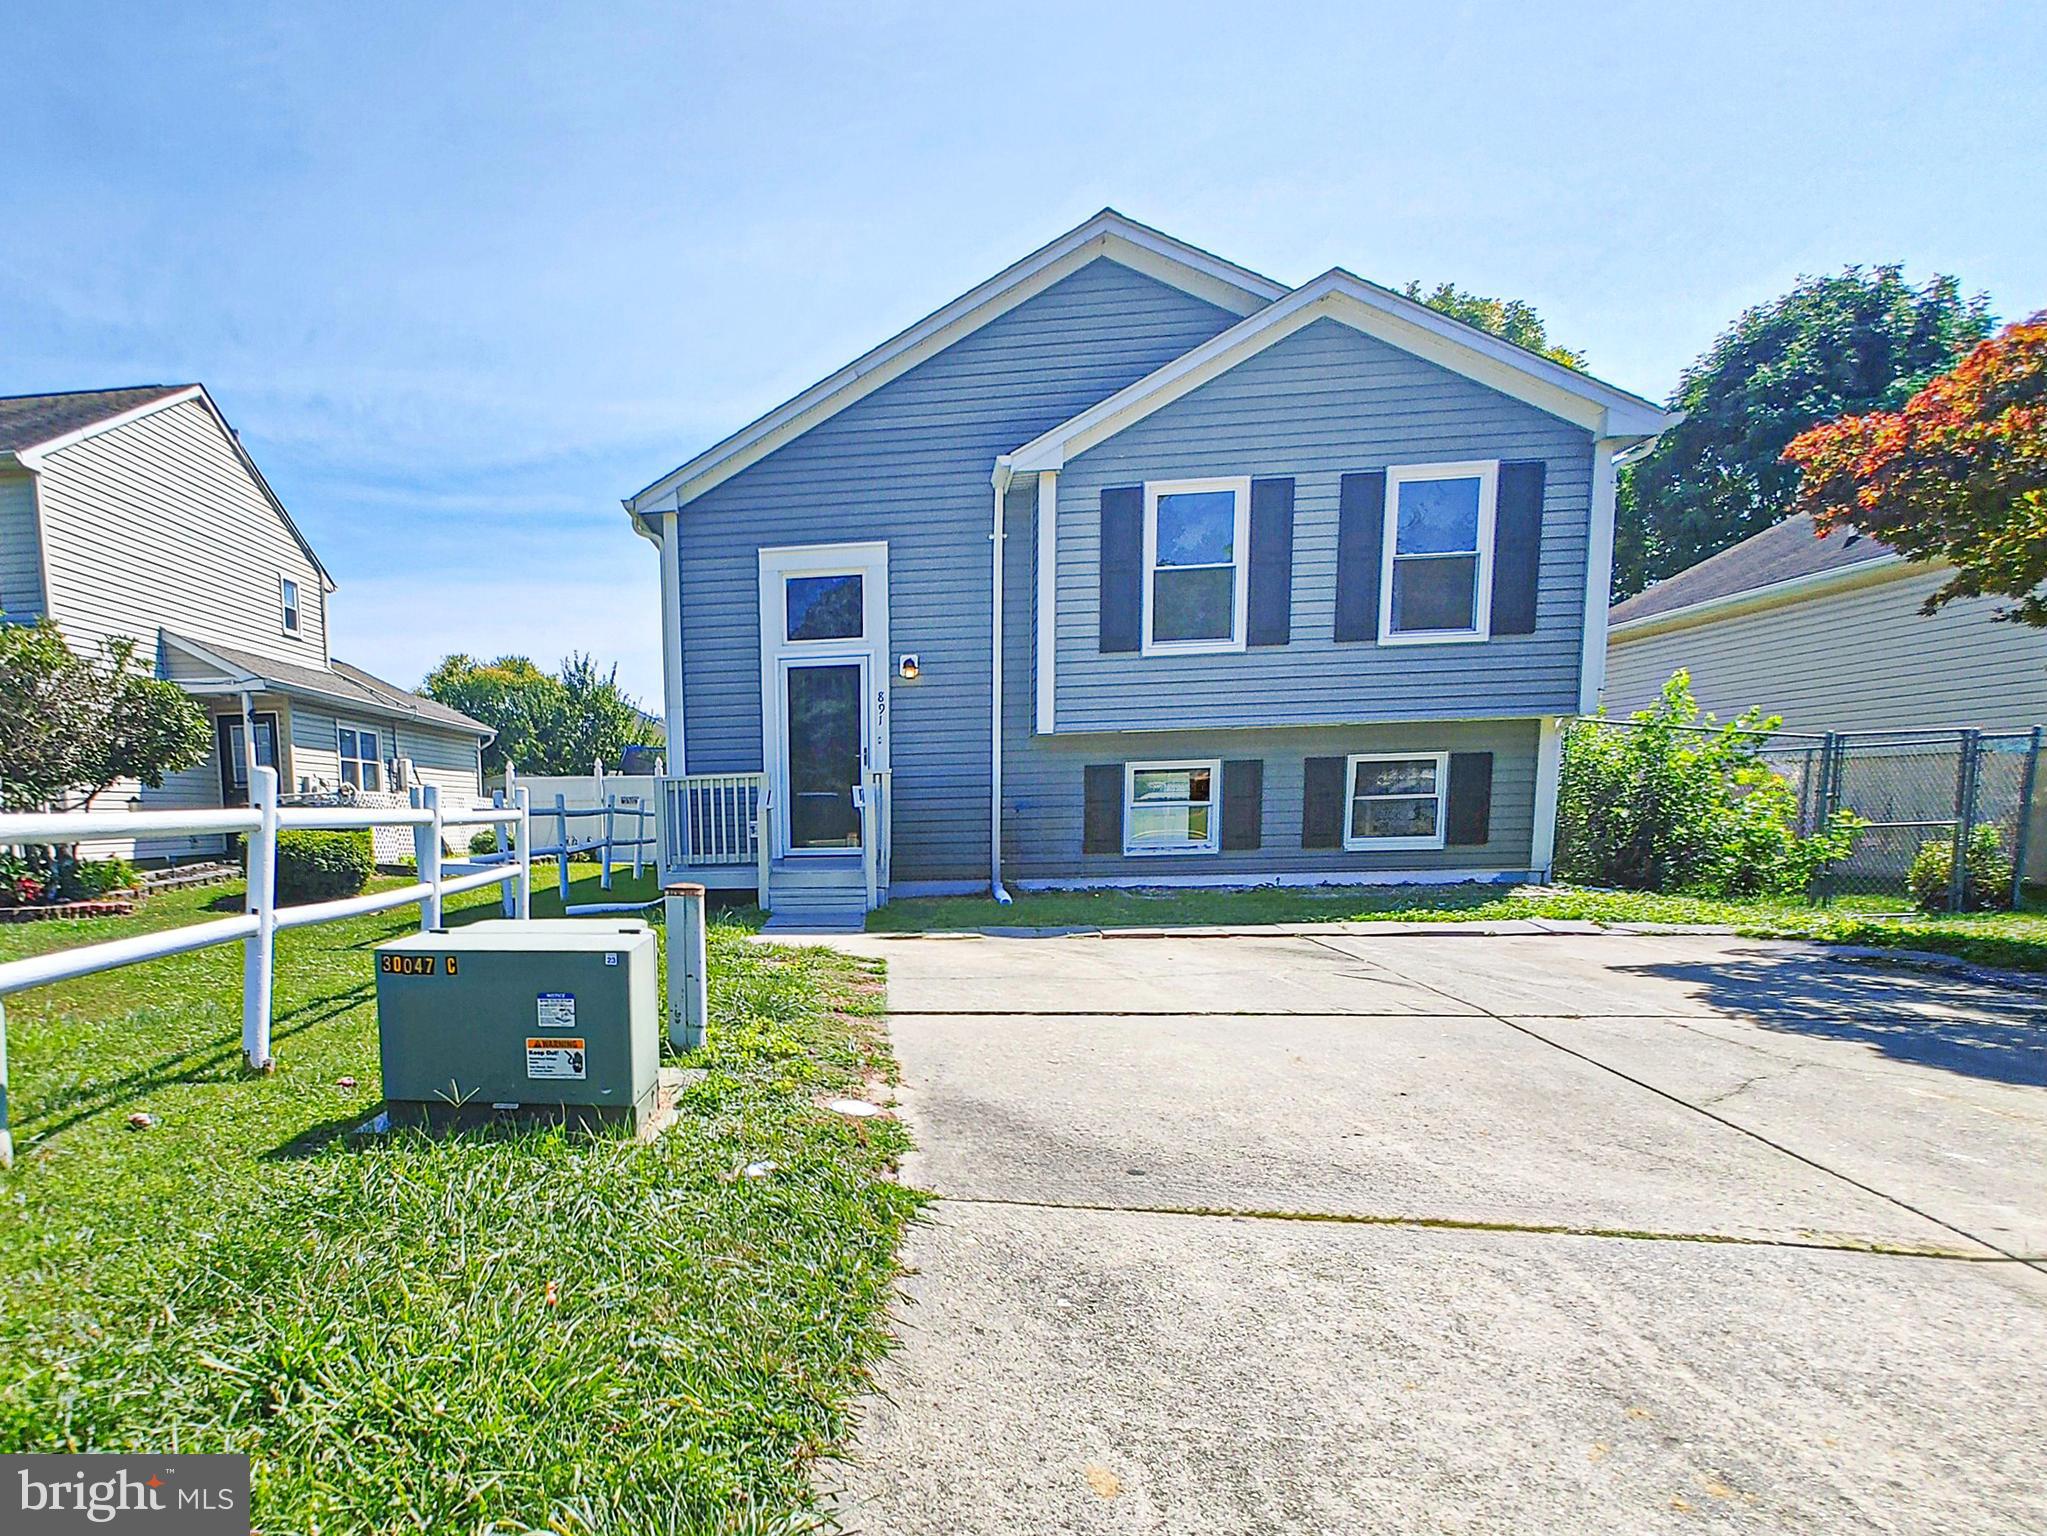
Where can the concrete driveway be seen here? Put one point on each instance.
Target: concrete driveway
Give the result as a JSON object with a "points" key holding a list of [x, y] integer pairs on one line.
{"points": [[1456, 1232]]}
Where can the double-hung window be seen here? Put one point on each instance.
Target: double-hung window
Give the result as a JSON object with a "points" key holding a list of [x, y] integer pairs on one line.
{"points": [[1436, 580], [1196, 537], [1170, 807], [288, 597], [1396, 802], [362, 760]]}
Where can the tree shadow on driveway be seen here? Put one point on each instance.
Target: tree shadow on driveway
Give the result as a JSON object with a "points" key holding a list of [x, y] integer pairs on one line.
{"points": [[1922, 1017]]}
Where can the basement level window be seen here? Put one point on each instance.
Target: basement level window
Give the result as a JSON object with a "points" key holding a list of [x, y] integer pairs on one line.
{"points": [[1170, 807], [291, 606]]}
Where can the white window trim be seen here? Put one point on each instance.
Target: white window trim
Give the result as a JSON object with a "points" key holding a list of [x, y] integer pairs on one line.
{"points": [[1487, 472], [1350, 795], [1213, 842], [384, 736], [291, 602], [1240, 563]]}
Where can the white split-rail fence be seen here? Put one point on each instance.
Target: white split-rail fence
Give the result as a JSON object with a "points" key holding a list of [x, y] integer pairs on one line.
{"points": [[257, 927], [603, 838]]}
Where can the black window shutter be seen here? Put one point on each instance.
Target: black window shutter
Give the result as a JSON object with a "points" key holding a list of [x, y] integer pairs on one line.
{"points": [[1468, 821], [1322, 802], [1243, 803], [1122, 567], [1360, 533], [1271, 619], [1517, 547], [1101, 826]]}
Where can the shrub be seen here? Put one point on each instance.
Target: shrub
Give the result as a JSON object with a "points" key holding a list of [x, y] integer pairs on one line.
{"points": [[322, 866], [1677, 803], [86, 881], [486, 841], [1986, 873]]}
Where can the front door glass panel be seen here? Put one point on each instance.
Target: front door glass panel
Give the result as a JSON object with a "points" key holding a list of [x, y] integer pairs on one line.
{"points": [[824, 755]]}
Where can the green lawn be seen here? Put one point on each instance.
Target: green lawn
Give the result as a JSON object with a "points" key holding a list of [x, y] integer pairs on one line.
{"points": [[564, 1331], [2013, 939]]}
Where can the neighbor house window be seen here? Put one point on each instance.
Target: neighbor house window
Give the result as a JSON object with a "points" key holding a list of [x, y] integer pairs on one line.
{"points": [[362, 757], [1170, 807], [1397, 802], [1195, 536], [1436, 584], [824, 607], [291, 606]]}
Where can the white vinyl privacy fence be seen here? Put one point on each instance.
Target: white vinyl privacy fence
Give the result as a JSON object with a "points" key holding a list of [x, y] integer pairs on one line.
{"points": [[257, 926]]}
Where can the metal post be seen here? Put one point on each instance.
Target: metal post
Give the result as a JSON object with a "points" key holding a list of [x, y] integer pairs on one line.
{"points": [[6, 1131], [427, 840], [259, 949], [610, 830], [521, 797], [561, 818], [1965, 813], [689, 1002], [2024, 836], [1826, 800]]}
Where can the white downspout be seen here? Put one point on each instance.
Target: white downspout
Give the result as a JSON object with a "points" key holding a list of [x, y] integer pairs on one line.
{"points": [[675, 748], [1000, 480]]}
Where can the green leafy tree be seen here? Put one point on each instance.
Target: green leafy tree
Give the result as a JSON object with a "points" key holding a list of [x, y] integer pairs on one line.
{"points": [[1509, 319], [1862, 340], [546, 723], [73, 726]]}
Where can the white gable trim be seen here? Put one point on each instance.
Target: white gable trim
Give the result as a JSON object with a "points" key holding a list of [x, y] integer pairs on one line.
{"points": [[35, 456], [1584, 401], [1107, 234]]}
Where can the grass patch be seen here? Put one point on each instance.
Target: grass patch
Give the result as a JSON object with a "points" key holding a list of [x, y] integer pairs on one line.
{"points": [[543, 1329], [2016, 940]]}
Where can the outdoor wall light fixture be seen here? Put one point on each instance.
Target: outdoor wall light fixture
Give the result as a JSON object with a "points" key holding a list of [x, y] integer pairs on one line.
{"points": [[906, 666]]}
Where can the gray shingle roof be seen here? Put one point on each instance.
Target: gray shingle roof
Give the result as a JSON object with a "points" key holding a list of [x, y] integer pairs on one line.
{"points": [[342, 682], [26, 420], [1782, 552]]}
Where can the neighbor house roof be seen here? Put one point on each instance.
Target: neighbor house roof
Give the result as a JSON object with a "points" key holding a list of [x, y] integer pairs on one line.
{"points": [[28, 421], [1601, 408], [33, 426], [1787, 558], [342, 684], [1108, 233]]}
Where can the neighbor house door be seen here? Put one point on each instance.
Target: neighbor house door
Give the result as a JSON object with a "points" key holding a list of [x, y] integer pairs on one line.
{"points": [[234, 762], [824, 690]]}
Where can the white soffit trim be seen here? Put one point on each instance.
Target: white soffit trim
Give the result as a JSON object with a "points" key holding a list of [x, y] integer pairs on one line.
{"points": [[1108, 234], [1600, 408], [1865, 573]]}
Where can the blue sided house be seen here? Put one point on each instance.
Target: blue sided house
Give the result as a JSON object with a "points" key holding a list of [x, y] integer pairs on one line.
{"points": [[1133, 567]]}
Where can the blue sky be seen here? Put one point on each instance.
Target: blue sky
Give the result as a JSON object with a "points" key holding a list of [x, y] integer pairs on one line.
{"points": [[465, 275]]}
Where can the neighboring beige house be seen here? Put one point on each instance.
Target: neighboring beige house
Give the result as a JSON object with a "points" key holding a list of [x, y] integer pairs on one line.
{"points": [[1826, 632], [136, 513]]}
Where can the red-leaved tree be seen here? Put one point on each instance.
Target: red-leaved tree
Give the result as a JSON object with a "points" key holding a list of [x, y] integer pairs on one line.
{"points": [[1959, 474]]}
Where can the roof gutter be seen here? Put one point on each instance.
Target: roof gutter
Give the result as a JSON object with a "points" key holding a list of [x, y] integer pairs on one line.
{"points": [[1865, 573], [999, 480]]}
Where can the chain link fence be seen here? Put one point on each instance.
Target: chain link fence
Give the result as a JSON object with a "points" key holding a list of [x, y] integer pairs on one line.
{"points": [[1910, 788]]}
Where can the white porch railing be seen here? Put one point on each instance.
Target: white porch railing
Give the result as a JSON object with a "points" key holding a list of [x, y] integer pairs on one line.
{"points": [[256, 928], [875, 794], [716, 818]]}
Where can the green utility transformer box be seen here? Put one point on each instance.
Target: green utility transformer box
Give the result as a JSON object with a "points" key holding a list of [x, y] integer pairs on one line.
{"points": [[557, 1021]]}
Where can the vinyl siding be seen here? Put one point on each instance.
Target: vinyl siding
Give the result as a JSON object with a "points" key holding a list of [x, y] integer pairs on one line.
{"points": [[158, 524], [21, 550], [910, 464], [1325, 401], [1865, 659]]}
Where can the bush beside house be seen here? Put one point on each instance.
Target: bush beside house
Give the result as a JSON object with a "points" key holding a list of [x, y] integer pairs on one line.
{"points": [[322, 866]]}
